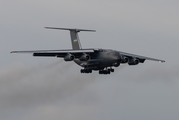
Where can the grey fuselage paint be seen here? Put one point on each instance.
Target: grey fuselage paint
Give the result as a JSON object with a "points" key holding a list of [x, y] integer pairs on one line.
{"points": [[102, 59]]}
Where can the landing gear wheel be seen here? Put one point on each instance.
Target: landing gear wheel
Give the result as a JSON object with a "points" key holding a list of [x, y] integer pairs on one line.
{"points": [[86, 71], [82, 71], [105, 72], [112, 70]]}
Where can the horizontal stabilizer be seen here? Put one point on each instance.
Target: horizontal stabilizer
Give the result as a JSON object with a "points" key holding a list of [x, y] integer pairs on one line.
{"points": [[77, 30]]}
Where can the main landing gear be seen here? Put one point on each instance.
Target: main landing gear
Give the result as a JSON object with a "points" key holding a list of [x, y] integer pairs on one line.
{"points": [[104, 71], [86, 71], [107, 71]]}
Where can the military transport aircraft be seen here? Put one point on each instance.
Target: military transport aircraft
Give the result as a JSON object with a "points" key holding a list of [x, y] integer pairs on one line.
{"points": [[101, 60]]}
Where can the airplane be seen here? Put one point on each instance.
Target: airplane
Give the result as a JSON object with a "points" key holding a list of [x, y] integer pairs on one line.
{"points": [[102, 60]]}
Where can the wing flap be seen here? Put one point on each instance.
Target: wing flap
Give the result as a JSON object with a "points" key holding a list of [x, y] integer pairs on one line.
{"points": [[50, 54]]}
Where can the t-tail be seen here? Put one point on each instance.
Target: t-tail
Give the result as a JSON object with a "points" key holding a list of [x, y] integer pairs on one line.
{"points": [[75, 41]]}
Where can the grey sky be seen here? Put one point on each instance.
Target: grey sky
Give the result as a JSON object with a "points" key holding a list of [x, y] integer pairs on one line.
{"points": [[49, 88]]}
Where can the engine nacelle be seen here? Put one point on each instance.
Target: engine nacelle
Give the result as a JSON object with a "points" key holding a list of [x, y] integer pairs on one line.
{"points": [[133, 61], [69, 57], [85, 57], [124, 59]]}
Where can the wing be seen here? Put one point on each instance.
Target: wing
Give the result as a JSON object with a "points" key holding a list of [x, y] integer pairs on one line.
{"points": [[140, 58], [58, 53]]}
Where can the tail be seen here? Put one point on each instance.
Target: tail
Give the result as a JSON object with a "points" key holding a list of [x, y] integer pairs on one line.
{"points": [[75, 41]]}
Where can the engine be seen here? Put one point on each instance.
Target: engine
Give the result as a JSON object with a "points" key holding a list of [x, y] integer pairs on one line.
{"points": [[69, 57], [133, 61], [85, 57], [124, 59]]}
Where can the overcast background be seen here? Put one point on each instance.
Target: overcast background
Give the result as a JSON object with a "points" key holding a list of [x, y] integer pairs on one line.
{"points": [[33, 88]]}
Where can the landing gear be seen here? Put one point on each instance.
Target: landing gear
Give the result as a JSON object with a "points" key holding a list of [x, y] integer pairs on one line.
{"points": [[106, 71], [112, 70], [86, 71], [102, 71]]}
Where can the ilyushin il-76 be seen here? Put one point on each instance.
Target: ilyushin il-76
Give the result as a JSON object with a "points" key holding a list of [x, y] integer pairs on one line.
{"points": [[102, 60]]}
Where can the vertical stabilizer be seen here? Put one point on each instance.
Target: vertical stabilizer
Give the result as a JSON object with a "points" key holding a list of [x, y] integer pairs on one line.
{"points": [[75, 41]]}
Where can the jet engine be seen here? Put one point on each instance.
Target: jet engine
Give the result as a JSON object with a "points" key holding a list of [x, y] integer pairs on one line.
{"points": [[124, 59], [133, 61], [85, 57], [69, 57]]}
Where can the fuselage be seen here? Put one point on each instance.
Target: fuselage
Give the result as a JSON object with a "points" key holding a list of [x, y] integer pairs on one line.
{"points": [[102, 59]]}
